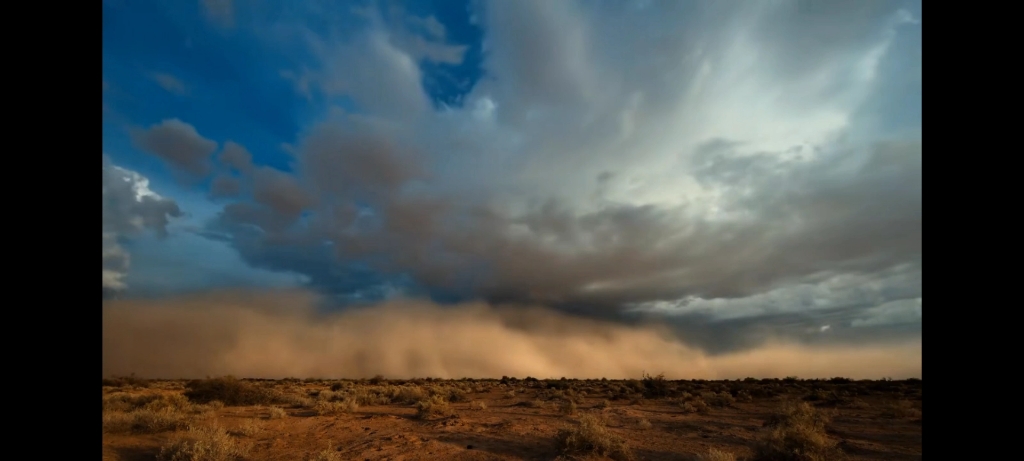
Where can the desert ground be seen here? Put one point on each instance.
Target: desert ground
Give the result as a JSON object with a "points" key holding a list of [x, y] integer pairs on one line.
{"points": [[649, 418]]}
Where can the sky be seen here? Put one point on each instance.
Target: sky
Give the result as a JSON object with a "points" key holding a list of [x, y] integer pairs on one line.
{"points": [[742, 173]]}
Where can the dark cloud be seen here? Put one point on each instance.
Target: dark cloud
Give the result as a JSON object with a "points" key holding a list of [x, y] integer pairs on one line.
{"points": [[225, 186], [280, 192], [179, 144]]}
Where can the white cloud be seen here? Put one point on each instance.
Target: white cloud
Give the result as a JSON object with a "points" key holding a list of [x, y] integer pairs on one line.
{"points": [[170, 83]]}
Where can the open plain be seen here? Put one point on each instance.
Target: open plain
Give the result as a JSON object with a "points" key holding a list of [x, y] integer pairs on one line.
{"points": [[650, 418]]}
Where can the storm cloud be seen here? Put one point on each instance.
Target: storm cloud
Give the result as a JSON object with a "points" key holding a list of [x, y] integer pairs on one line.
{"points": [[732, 168]]}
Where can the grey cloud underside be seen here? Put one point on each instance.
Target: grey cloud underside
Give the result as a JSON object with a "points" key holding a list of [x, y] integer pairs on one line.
{"points": [[804, 222]]}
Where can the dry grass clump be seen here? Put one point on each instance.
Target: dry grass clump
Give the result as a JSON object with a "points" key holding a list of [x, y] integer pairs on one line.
{"points": [[435, 406], [568, 407], [796, 433], [327, 454], [231, 392], [204, 444], [591, 437], [643, 424], [714, 454], [271, 412], [603, 404], [478, 405], [249, 428]]}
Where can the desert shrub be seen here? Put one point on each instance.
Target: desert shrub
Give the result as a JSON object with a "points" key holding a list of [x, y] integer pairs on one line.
{"points": [[130, 380], [591, 437], [695, 406], [377, 379], [603, 404], [371, 396], [510, 394], [478, 405], [121, 401], [204, 444], [535, 403], [230, 391], [643, 424], [796, 432], [454, 394], [297, 401], [150, 413], [900, 409], [718, 399], [557, 384], [568, 407], [435, 406], [407, 394], [714, 454], [334, 407]]}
